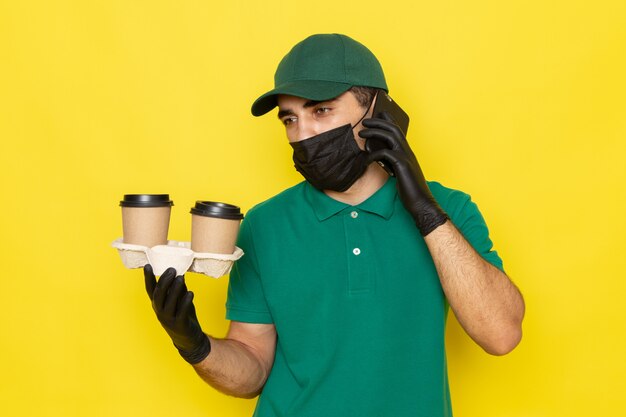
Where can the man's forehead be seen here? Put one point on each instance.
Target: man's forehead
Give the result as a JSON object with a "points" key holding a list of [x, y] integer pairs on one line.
{"points": [[285, 100]]}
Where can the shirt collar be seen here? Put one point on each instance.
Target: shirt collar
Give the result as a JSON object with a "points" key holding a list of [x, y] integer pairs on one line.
{"points": [[380, 203]]}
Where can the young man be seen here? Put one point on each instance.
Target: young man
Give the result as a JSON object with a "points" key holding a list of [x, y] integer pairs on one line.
{"points": [[338, 307]]}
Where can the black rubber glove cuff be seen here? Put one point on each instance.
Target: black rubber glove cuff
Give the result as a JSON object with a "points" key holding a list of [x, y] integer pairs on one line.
{"points": [[199, 353], [430, 220]]}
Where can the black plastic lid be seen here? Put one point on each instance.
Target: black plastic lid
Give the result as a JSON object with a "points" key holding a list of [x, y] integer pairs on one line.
{"points": [[146, 200], [216, 209]]}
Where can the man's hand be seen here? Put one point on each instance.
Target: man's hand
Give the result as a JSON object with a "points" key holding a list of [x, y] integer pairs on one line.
{"points": [[174, 308], [396, 153]]}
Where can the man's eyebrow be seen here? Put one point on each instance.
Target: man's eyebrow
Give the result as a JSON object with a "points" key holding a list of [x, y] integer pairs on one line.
{"points": [[313, 103], [283, 113], [308, 104]]}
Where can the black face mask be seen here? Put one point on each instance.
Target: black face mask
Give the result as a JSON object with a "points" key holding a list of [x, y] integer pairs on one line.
{"points": [[331, 160]]}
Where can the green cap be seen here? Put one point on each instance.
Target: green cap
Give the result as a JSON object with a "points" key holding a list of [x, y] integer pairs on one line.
{"points": [[322, 67]]}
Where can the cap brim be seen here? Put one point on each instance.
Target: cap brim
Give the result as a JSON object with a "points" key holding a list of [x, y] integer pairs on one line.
{"points": [[308, 89]]}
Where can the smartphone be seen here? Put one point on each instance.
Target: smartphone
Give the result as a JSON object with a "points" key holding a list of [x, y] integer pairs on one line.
{"points": [[384, 103]]}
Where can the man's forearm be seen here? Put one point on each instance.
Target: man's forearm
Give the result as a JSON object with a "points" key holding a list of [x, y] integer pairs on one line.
{"points": [[233, 369], [487, 304]]}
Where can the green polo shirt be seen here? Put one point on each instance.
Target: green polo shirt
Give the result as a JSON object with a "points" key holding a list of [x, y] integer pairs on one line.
{"points": [[357, 304]]}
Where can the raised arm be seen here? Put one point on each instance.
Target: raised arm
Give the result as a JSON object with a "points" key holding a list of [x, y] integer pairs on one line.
{"points": [[489, 307], [487, 304]]}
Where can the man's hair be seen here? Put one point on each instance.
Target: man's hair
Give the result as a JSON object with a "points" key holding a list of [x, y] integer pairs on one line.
{"points": [[364, 95]]}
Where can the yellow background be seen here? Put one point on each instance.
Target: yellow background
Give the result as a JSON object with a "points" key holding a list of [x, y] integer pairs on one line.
{"points": [[520, 104]]}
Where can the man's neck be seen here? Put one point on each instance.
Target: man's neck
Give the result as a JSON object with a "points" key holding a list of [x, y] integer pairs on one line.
{"points": [[370, 182]]}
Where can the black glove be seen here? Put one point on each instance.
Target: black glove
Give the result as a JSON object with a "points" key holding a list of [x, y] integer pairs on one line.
{"points": [[174, 308], [385, 142]]}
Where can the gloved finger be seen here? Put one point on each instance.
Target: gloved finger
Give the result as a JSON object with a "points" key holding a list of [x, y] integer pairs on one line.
{"points": [[150, 280], [173, 296], [386, 155], [183, 292], [374, 144], [376, 139], [385, 124], [186, 307], [163, 286], [389, 140]]}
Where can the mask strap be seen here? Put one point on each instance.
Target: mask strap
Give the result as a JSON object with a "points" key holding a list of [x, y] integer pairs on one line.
{"points": [[366, 111]]}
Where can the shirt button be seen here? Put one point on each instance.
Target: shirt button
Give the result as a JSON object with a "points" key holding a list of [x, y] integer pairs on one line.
{"points": [[356, 251], [354, 214]]}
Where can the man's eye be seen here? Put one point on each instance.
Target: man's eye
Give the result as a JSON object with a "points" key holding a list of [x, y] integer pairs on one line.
{"points": [[322, 110], [288, 120]]}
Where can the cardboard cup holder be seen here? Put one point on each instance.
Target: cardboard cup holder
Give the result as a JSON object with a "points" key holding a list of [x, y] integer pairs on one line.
{"points": [[177, 255]]}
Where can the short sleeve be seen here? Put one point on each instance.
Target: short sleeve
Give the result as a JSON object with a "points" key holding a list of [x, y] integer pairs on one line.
{"points": [[467, 218], [246, 299], [471, 224]]}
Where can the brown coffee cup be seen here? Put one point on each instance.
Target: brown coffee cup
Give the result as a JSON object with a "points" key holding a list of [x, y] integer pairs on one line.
{"points": [[146, 218], [214, 227]]}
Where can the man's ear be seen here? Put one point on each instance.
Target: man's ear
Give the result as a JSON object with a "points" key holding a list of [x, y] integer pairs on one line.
{"points": [[370, 113]]}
